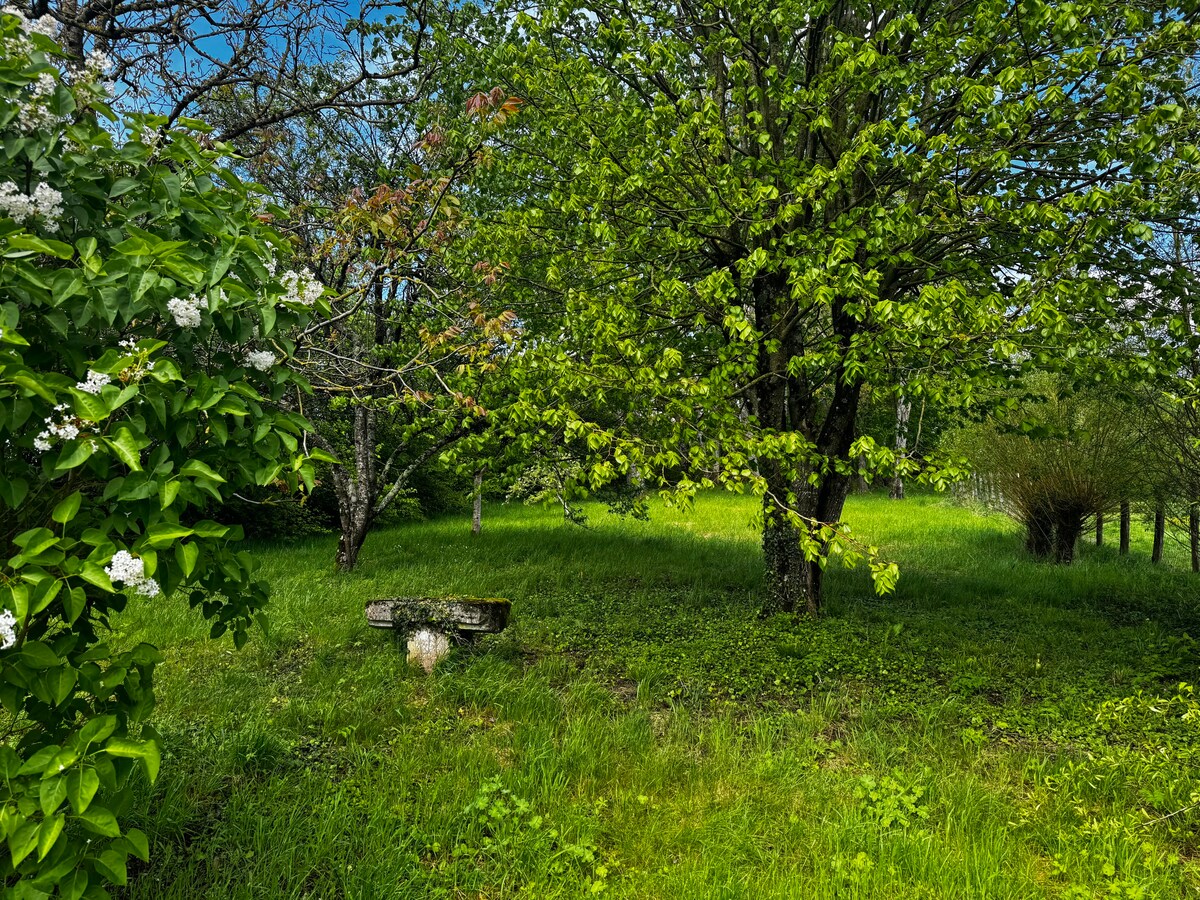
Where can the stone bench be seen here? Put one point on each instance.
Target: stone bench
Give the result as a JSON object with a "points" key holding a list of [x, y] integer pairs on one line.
{"points": [[432, 624]]}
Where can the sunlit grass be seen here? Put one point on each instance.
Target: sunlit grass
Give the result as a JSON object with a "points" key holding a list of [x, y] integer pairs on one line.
{"points": [[659, 740]]}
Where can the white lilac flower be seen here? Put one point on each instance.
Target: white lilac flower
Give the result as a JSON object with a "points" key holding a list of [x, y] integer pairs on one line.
{"points": [[125, 568], [44, 25], [148, 588], [14, 204], [45, 202], [149, 136], [260, 359], [34, 111], [129, 570], [95, 381], [301, 287], [64, 430], [186, 312], [97, 63], [8, 629], [128, 344], [49, 205], [18, 45]]}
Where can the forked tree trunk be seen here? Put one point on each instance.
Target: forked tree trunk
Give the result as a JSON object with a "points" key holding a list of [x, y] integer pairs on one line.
{"points": [[1099, 529], [1160, 531], [1125, 520], [477, 512], [350, 543], [903, 411], [788, 403]]}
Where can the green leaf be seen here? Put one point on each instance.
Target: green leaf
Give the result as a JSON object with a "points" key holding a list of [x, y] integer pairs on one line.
{"points": [[22, 841], [37, 655], [29, 242], [196, 468], [43, 594], [187, 555], [165, 534], [111, 865], [206, 528], [141, 846], [51, 828], [97, 729], [101, 821], [74, 453], [82, 785], [74, 885], [146, 751], [167, 492], [51, 793], [120, 187], [66, 509], [74, 602], [94, 573], [33, 385], [90, 407], [35, 540], [126, 447]]}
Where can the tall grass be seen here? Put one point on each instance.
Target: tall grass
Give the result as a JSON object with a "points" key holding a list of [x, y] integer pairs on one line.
{"points": [[640, 732]]}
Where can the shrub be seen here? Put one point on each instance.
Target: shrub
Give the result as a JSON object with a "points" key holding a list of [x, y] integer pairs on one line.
{"points": [[1057, 460], [141, 336]]}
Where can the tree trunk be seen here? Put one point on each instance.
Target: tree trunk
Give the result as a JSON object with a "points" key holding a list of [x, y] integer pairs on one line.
{"points": [[354, 484], [1160, 530], [786, 568], [350, 542], [903, 411], [1099, 529], [1194, 534], [1039, 535], [477, 512], [861, 485], [784, 402], [1125, 519], [1066, 536]]}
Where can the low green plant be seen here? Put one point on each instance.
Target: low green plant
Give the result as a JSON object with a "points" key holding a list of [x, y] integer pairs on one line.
{"points": [[891, 799]]}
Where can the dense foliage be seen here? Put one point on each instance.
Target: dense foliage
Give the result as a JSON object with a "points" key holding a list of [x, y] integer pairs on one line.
{"points": [[752, 213], [145, 310]]}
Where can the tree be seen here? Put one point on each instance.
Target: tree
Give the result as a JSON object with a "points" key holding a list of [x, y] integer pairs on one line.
{"points": [[400, 366], [142, 334], [1058, 458], [259, 65], [752, 212]]}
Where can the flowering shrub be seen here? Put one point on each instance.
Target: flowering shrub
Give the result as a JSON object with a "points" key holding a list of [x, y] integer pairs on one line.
{"points": [[141, 344]]}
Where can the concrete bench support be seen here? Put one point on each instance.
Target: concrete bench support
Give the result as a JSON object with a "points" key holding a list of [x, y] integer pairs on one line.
{"points": [[432, 625]]}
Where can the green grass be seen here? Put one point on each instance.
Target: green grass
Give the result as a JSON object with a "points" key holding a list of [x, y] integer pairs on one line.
{"points": [[996, 728]]}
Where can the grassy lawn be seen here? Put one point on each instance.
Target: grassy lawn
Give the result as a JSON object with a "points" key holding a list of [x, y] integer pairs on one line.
{"points": [[996, 728]]}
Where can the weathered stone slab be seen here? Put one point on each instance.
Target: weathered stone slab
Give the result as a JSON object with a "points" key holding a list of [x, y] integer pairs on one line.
{"points": [[433, 624]]}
